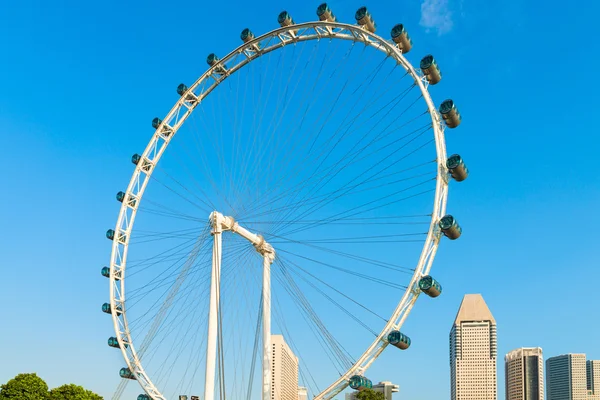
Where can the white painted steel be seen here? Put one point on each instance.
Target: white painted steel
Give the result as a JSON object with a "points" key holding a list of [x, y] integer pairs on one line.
{"points": [[235, 60], [267, 355], [216, 221]]}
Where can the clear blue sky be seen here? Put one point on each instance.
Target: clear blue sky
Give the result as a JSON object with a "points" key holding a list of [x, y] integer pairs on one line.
{"points": [[80, 82]]}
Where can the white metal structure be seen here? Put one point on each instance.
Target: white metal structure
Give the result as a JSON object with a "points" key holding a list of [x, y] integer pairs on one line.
{"points": [[220, 223], [164, 134]]}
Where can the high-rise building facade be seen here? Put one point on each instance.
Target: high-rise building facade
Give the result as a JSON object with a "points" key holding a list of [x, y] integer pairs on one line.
{"points": [[284, 370], [473, 351], [524, 374], [593, 379], [302, 393], [566, 377]]}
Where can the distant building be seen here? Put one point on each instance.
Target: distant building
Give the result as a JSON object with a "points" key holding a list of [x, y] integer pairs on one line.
{"points": [[302, 393], [473, 351], [387, 388], [566, 377], [524, 374], [593, 379], [284, 370]]}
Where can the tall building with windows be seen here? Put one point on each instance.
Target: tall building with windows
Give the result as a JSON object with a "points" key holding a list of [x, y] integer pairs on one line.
{"points": [[566, 377], [473, 351], [593, 379], [284, 370], [524, 374]]}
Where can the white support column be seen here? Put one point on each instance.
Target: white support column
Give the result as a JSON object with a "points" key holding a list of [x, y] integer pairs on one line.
{"points": [[219, 224], [266, 305], [211, 343]]}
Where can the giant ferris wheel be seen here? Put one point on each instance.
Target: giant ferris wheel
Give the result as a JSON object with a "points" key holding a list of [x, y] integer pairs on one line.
{"points": [[303, 192]]}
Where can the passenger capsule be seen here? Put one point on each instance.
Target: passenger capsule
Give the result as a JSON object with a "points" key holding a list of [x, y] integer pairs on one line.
{"points": [[325, 14], [114, 342], [156, 122], [136, 160], [246, 35], [106, 309], [399, 339], [457, 168], [430, 286], [120, 197], [126, 373], [358, 382], [181, 89], [285, 19], [401, 38], [450, 227], [363, 17], [430, 69], [450, 114], [105, 272], [143, 397], [110, 234], [213, 60]]}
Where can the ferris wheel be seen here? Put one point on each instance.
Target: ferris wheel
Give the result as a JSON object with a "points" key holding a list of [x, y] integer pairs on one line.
{"points": [[304, 193]]}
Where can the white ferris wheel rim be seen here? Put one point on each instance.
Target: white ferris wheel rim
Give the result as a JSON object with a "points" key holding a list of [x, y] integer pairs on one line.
{"points": [[247, 52]]}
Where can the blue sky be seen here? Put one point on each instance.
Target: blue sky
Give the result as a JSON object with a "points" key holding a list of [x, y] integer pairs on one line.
{"points": [[81, 82]]}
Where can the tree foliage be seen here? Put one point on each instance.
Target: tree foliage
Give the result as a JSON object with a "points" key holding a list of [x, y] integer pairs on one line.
{"points": [[369, 394], [72, 392], [24, 387], [32, 387]]}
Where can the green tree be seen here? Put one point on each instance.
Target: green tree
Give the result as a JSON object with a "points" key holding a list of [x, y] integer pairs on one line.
{"points": [[72, 392], [24, 387], [369, 394]]}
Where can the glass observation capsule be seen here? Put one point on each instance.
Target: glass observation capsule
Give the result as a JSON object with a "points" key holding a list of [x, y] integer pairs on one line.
{"points": [[126, 373], [430, 286], [285, 19], [358, 382], [181, 89], [110, 234], [363, 17], [430, 69], [399, 339], [106, 308], [325, 14], [450, 227], [246, 35], [457, 168], [143, 397], [213, 60], [113, 342], [136, 158], [156, 122], [401, 38], [120, 197], [450, 114], [105, 272]]}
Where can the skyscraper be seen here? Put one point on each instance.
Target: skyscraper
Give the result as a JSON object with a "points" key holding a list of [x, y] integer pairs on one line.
{"points": [[473, 351], [284, 370], [593, 379], [524, 374], [566, 377]]}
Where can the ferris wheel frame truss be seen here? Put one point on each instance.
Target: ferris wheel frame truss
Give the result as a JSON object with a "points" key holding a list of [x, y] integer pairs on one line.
{"points": [[169, 126]]}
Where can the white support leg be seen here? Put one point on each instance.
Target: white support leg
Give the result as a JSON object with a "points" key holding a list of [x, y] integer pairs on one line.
{"points": [[267, 357], [211, 343], [219, 224]]}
